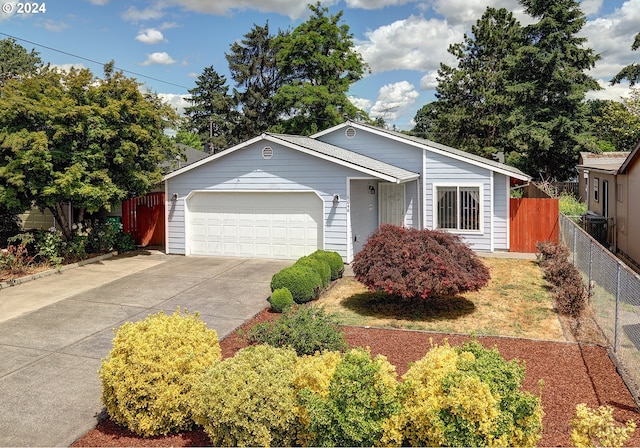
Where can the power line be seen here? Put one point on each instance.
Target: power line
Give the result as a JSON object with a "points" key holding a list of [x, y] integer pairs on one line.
{"points": [[94, 61]]}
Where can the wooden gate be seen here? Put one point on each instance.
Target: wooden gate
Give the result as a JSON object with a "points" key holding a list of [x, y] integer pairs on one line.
{"points": [[143, 218], [533, 220]]}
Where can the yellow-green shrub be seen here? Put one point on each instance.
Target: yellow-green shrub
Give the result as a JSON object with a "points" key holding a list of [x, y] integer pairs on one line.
{"points": [[249, 400], [465, 396], [596, 427], [361, 397], [148, 376]]}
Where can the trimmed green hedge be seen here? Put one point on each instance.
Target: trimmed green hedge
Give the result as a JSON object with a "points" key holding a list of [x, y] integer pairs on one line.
{"points": [[308, 276], [281, 300], [303, 281], [333, 259]]}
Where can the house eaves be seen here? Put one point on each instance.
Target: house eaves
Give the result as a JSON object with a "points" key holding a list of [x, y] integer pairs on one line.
{"points": [[344, 157], [437, 148], [607, 162]]}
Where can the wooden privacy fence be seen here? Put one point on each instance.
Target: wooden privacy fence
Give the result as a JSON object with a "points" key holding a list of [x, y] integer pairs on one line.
{"points": [[143, 218], [533, 220]]}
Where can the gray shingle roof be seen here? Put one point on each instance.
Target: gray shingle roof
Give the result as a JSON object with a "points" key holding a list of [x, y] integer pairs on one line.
{"points": [[426, 144], [349, 157]]}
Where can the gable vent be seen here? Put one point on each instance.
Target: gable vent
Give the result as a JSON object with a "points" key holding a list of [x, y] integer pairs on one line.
{"points": [[267, 152], [350, 132]]}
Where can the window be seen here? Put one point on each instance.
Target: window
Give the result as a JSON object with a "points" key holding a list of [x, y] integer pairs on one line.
{"points": [[596, 183], [458, 208]]}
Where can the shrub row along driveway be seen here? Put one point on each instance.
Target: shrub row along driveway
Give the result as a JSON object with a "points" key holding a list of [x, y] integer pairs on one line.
{"points": [[55, 330]]}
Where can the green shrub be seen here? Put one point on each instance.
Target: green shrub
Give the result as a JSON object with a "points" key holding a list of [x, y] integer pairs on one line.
{"points": [[305, 329], [333, 259], [321, 267], [147, 378], [281, 300], [570, 206], [466, 396], [303, 281], [50, 246], [361, 397], [249, 400]]}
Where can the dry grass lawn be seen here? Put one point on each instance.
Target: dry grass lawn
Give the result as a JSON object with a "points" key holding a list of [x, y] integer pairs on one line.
{"points": [[516, 302]]}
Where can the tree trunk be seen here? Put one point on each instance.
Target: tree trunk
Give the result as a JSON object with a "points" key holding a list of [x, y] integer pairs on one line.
{"points": [[61, 219]]}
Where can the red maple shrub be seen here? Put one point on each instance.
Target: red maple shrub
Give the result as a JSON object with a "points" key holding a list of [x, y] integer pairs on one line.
{"points": [[411, 263]]}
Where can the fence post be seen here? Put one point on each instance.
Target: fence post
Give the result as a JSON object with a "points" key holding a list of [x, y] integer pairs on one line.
{"points": [[617, 318], [575, 243], [590, 262]]}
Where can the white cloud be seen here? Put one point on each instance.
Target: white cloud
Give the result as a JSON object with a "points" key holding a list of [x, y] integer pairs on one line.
{"points": [[134, 14], [411, 44], [610, 92], [159, 58], [393, 100], [178, 102], [375, 4], [98, 2], [429, 81], [56, 27], [150, 36], [361, 103], [611, 37]]}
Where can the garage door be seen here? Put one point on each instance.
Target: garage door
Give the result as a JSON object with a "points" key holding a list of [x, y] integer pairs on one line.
{"points": [[263, 225]]}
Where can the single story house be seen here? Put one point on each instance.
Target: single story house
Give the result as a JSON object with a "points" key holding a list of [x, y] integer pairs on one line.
{"points": [[610, 185], [284, 196]]}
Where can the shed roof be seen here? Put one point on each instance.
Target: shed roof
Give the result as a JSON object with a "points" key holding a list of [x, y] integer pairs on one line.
{"points": [[606, 161]]}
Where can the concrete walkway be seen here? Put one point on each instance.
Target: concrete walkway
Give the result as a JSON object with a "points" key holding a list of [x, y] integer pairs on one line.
{"points": [[55, 330]]}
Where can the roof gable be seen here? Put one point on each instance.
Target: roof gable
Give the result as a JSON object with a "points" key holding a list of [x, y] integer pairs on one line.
{"points": [[606, 161], [316, 148], [428, 145]]}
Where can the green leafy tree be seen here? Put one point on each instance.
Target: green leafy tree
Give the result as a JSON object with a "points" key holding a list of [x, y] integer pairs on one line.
{"points": [[16, 62], [474, 98], [252, 63], [213, 114], [70, 137], [632, 71], [619, 122], [190, 139], [318, 65], [551, 83]]}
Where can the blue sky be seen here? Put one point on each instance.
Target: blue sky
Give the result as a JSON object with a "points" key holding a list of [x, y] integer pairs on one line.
{"points": [[166, 44]]}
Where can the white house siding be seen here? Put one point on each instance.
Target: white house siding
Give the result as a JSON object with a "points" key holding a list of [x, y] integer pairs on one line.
{"points": [[246, 170], [443, 170], [501, 218], [388, 151]]}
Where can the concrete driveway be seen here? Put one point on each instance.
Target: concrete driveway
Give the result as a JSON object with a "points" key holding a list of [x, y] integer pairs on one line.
{"points": [[55, 330]]}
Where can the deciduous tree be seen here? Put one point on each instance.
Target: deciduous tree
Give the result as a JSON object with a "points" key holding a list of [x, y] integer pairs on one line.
{"points": [[71, 137]]}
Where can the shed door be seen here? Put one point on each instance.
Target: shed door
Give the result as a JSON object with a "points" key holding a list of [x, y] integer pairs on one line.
{"points": [[260, 225]]}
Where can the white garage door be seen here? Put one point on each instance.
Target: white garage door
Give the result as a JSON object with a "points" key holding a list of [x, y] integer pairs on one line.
{"points": [[262, 225]]}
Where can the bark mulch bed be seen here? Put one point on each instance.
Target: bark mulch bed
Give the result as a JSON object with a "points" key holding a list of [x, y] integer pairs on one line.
{"points": [[572, 373]]}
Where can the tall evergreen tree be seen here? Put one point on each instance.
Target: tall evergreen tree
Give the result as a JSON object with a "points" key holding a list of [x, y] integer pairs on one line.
{"points": [[318, 65], [252, 63], [213, 115], [551, 83], [474, 98]]}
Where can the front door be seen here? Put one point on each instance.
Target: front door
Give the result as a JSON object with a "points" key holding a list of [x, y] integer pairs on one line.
{"points": [[363, 205]]}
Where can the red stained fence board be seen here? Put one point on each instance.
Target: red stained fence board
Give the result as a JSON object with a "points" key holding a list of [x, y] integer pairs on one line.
{"points": [[143, 218], [533, 220]]}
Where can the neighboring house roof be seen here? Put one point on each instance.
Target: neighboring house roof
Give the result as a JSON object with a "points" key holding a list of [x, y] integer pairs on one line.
{"points": [[321, 150], [629, 160], [606, 161], [422, 143], [187, 156]]}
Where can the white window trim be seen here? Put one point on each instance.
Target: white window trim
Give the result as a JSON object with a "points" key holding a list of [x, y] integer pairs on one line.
{"points": [[480, 188]]}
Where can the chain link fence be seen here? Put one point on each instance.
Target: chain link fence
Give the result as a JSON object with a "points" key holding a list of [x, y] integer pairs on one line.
{"points": [[615, 298]]}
